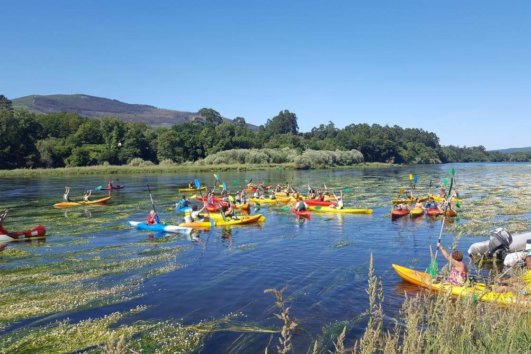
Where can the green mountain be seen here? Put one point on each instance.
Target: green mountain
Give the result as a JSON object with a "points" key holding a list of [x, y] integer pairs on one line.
{"points": [[513, 150], [98, 107]]}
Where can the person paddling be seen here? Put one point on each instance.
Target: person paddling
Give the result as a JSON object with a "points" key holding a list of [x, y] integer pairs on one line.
{"points": [[66, 194], [458, 270], [194, 214], [301, 205], [153, 218], [110, 185], [86, 195], [184, 202], [3, 231], [339, 199]]}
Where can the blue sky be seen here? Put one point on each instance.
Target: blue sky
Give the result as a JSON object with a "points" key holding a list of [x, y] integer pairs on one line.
{"points": [[461, 69]]}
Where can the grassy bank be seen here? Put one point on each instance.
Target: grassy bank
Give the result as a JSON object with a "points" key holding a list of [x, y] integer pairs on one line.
{"points": [[157, 169]]}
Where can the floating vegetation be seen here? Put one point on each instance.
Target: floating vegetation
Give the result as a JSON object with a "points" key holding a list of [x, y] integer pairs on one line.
{"points": [[341, 244], [12, 253]]}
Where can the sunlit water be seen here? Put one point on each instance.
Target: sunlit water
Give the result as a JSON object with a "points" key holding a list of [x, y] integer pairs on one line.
{"points": [[321, 264]]}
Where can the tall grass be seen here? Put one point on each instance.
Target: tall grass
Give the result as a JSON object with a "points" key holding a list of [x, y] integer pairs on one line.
{"points": [[440, 323]]}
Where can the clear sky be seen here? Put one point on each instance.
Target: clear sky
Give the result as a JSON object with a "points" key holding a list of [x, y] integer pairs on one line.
{"points": [[461, 69]]}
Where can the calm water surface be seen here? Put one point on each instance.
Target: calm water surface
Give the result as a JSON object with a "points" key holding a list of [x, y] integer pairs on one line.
{"points": [[321, 264]]}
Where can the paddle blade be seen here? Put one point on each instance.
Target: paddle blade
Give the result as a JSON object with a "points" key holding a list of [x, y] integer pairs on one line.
{"points": [[452, 172], [216, 177], [458, 204], [410, 176], [415, 179], [197, 184], [98, 188], [433, 269], [235, 182], [445, 182], [401, 191], [224, 186], [346, 190]]}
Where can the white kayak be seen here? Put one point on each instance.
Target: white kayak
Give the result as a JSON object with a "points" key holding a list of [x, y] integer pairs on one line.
{"points": [[160, 227]]}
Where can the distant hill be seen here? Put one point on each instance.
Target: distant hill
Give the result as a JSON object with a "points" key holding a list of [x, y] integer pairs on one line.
{"points": [[513, 150], [98, 107]]}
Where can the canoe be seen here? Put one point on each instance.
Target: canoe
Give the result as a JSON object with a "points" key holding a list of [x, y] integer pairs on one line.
{"points": [[38, 232], [433, 212], [243, 220], [416, 212], [518, 244], [398, 213], [478, 291], [191, 189], [82, 203], [303, 213], [160, 227], [315, 202], [327, 209]]}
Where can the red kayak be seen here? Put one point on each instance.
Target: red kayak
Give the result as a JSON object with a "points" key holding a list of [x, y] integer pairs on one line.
{"points": [[433, 212], [212, 208], [303, 213], [112, 188], [205, 199], [37, 232], [398, 213], [315, 202]]}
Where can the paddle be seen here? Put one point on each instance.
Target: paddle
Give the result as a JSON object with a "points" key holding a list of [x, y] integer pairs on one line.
{"points": [[433, 269], [198, 186], [157, 219], [98, 188]]}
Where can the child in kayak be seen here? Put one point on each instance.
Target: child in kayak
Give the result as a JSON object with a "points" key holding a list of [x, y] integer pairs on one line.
{"points": [[184, 202], [194, 214], [458, 270], [339, 199], [153, 218], [66, 197]]}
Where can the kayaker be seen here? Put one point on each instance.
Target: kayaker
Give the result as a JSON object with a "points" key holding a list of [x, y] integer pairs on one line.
{"points": [[86, 195], [402, 206], [153, 218], [194, 214], [339, 199], [418, 204], [3, 231], [431, 204], [184, 202], [66, 196], [110, 185], [458, 270], [228, 212], [301, 205]]}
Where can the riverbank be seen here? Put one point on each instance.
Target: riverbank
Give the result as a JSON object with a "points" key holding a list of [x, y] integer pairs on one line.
{"points": [[162, 169]]}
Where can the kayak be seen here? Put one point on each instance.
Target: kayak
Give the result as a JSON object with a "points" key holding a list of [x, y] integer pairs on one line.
{"points": [[440, 199], [315, 202], [243, 220], [160, 227], [433, 212], [111, 189], [281, 194], [269, 200], [450, 213], [180, 209], [398, 213], [479, 291], [409, 200], [81, 203], [302, 213], [245, 206], [212, 208], [416, 212], [38, 232], [191, 189], [327, 209], [205, 199]]}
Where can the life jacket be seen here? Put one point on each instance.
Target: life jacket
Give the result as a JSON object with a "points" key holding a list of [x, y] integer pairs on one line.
{"points": [[152, 219]]}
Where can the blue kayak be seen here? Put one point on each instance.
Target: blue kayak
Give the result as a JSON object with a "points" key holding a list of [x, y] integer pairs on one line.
{"points": [[160, 227], [180, 209]]}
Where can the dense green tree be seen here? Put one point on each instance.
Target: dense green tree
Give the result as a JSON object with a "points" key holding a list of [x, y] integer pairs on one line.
{"points": [[5, 103], [18, 131], [283, 123], [211, 116]]}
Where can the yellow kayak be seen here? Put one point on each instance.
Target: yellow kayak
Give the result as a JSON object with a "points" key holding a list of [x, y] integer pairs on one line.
{"points": [[325, 209], [416, 212], [269, 201], [478, 291], [81, 203], [439, 199], [191, 189], [243, 220]]}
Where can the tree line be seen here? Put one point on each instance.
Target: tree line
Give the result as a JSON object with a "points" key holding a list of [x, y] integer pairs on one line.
{"points": [[29, 140]]}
